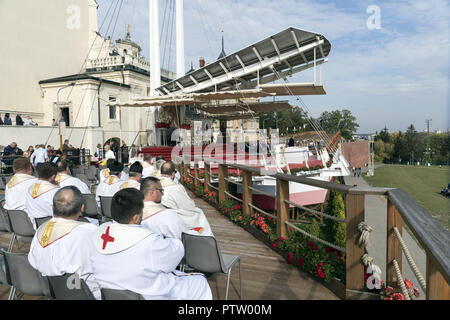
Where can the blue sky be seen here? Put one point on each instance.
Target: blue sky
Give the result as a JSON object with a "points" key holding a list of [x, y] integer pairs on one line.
{"points": [[393, 76]]}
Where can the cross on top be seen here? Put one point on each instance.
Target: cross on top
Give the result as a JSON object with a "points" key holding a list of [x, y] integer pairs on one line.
{"points": [[106, 238]]}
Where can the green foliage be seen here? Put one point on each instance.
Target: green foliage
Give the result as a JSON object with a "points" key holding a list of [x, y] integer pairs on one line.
{"points": [[288, 121], [336, 208], [314, 228], [337, 120]]}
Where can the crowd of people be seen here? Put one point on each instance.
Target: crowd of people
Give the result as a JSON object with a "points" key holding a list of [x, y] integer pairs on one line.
{"points": [[139, 250]]}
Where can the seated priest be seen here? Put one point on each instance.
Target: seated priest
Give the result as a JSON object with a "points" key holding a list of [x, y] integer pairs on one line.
{"points": [[135, 177], [60, 245], [64, 179], [39, 196], [157, 217], [128, 256], [19, 184], [112, 184], [176, 198]]}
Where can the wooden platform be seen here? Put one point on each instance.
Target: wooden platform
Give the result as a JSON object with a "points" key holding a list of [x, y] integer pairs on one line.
{"points": [[266, 276]]}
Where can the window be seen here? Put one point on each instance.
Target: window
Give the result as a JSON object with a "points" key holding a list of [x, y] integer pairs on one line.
{"points": [[252, 124], [112, 109]]}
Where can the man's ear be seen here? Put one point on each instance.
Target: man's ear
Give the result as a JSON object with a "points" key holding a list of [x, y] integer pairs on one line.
{"points": [[82, 208], [136, 219]]}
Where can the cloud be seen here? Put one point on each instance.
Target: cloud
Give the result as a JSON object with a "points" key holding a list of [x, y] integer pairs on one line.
{"points": [[394, 75]]}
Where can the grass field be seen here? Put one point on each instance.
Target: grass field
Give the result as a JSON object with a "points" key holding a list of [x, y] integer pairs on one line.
{"points": [[423, 184]]}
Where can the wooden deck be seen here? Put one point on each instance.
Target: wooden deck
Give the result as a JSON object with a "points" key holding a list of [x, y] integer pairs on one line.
{"points": [[265, 274]]}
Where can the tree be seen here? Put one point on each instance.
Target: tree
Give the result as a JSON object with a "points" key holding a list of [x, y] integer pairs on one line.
{"points": [[287, 120], [337, 120], [383, 135]]}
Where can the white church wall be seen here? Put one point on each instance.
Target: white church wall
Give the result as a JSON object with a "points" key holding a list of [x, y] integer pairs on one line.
{"points": [[40, 40]]}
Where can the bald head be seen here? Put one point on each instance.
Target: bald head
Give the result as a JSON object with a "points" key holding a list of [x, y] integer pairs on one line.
{"points": [[168, 168], [67, 202]]}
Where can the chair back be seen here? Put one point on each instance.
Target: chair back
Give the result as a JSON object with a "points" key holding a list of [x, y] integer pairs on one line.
{"points": [[105, 203], [90, 174], [69, 287], [82, 177], [2, 184], [77, 170], [20, 223], [22, 276], [113, 294], [4, 222], [90, 205], [2, 271], [40, 221], [202, 253]]}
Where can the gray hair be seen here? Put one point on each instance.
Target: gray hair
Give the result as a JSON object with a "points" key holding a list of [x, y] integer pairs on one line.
{"points": [[159, 164], [67, 202]]}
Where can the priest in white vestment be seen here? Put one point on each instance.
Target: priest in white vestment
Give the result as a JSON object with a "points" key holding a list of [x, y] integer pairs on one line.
{"points": [[176, 198], [149, 168], [62, 244], [128, 256], [135, 176], [104, 173], [39, 196], [158, 218], [112, 184], [64, 179], [19, 184]]}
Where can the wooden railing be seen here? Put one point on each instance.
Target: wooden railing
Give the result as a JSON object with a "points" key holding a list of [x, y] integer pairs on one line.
{"points": [[433, 238]]}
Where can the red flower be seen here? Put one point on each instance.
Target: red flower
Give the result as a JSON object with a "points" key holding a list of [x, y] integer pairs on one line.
{"points": [[289, 257], [301, 262], [320, 264], [253, 221], [274, 245], [329, 249], [398, 296], [389, 289], [310, 244], [320, 273], [282, 239], [387, 298], [416, 292], [408, 283]]}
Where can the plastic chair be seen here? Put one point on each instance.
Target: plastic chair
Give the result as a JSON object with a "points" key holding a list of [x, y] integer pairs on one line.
{"points": [[65, 287], [113, 294], [20, 275], [20, 225], [40, 221], [105, 203], [203, 254], [90, 206]]}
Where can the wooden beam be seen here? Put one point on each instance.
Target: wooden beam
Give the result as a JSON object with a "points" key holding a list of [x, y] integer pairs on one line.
{"points": [[246, 192], [223, 173], [354, 215], [437, 287], [393, 248], [196, 182], [207, 169], [282, 208]]}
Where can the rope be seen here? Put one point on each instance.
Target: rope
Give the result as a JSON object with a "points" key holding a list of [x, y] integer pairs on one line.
{"points": [[365, 232], [400, 280], [314, 237], [411, 262]]}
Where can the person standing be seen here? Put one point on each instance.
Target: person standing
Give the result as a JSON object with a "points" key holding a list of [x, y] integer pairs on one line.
{"points": [[19, 121], [9, 154], [8, 121]]}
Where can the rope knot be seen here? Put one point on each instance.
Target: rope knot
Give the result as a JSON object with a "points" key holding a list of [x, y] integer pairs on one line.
{"points": [[365, 232]]}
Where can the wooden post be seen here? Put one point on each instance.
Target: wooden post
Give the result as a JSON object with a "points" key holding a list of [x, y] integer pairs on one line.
{"points": [[393, 248], [246, 192], [196, 182], [355, 269], [180, 168], [282, 208], [437, 287], [207, 176], [223, 173], [187, 169]]}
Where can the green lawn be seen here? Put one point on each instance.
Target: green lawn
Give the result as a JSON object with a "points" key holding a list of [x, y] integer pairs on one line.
{"points": [[423, 184]]}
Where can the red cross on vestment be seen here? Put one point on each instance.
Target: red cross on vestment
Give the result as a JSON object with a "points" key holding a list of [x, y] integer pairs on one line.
{"points": [[106, 238]]}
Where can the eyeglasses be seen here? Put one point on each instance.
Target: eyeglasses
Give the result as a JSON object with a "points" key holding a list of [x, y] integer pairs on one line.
{"points": [[160, 190]]}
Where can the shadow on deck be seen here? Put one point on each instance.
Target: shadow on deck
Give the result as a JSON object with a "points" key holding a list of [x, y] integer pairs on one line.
{"points": [[265, 274]]}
